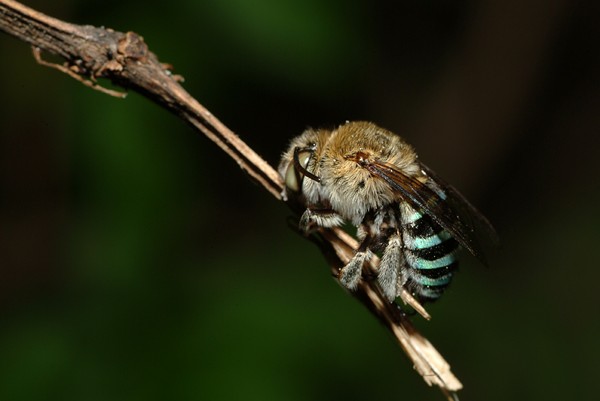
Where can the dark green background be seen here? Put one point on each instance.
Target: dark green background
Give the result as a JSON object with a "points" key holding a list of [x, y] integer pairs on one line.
{"points": [[137, 262]]}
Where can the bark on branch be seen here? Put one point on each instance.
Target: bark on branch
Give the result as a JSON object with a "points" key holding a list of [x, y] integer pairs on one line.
{"points": [[124, 58]]}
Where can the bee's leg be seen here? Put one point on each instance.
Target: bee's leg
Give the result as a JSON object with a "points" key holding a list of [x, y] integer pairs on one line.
{"points": [[351, 273], [389, 267], [319, 217]]}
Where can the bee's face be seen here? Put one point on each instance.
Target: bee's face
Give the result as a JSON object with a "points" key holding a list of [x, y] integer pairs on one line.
{"points": [[299, 164], [295, 160]]}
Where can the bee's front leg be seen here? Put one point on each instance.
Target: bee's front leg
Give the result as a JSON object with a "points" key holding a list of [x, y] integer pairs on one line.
{"points": [[315, 217]]}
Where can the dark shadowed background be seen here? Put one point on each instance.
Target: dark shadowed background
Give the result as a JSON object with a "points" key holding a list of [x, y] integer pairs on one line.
{"points": [[137, 262]]}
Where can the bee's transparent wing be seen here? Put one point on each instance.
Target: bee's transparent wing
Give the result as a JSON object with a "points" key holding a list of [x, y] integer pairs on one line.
{"points": [[470, 215], [442, 202]]}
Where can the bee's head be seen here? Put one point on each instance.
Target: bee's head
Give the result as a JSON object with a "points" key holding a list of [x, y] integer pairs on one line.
{"points": [[300, 167], [296, 170]]}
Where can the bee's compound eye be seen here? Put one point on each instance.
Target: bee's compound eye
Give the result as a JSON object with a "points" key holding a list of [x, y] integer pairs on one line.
{"points": [[293, 176], [291, 179]]}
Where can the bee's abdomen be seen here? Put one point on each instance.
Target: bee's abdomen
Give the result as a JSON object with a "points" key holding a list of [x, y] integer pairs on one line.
{"points": [[430, 256]]}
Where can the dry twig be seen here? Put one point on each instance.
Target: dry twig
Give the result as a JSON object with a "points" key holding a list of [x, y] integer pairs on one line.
{"points": [[91, 52]]}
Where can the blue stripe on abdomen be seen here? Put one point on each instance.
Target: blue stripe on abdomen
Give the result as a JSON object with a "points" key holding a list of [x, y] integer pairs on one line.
{"points": [[433, 282], [422, 264], [421, 243]]}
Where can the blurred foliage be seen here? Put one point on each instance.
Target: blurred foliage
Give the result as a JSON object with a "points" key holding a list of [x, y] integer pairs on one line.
{"points": [[138, 263]]}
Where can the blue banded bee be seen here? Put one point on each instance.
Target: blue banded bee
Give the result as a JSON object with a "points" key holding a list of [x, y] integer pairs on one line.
{"points": [[403, 211]]}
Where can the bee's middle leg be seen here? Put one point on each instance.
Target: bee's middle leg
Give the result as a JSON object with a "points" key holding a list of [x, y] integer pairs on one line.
{"points": [[351, 273], [389, 270]]}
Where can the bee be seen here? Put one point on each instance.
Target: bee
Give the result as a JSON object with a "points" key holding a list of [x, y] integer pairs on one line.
{"points": [[368, 176]]}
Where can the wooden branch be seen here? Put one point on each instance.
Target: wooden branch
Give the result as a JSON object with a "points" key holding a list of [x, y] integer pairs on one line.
{"points": [[91, 52], [124, 58]]}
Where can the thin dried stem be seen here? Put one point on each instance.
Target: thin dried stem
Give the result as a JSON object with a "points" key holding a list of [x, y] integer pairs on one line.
{"points": [[90, 53]]}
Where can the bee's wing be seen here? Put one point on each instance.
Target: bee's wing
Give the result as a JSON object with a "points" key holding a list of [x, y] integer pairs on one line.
{"points": [[442, 202]]}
